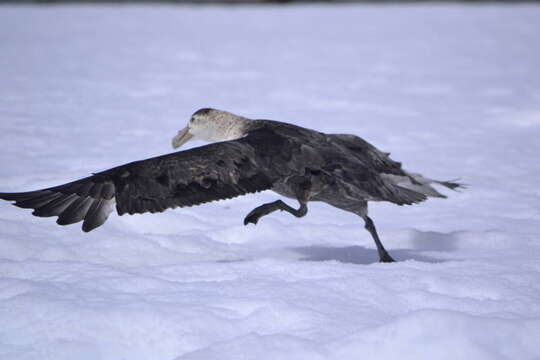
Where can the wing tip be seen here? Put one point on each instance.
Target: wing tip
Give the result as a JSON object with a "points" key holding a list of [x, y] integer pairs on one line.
{"points": [[71, 203], [20, 196], [86, 227]]}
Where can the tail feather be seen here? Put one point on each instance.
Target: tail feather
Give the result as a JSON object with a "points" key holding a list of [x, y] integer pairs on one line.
{"points": [[421, 184], [452, 184], [405, 196]]}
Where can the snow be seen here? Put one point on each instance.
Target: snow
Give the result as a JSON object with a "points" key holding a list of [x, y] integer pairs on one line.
{"points": [[451, 90]]}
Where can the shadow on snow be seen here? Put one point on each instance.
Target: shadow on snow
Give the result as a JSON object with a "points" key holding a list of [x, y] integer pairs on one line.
{"points": [[420, 241]]}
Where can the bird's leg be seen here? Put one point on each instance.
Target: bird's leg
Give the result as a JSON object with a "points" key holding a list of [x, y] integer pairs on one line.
{"points": [[268, 208], [383, 254]]}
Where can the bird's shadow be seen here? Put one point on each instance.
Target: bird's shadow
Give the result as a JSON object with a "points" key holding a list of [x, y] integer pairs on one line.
{"points": [[421, 241]]}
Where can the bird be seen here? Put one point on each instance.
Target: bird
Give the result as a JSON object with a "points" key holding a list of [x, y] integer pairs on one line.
{"points": [[243, 156]]}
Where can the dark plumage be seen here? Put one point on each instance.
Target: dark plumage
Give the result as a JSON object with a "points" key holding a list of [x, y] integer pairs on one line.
{"points": [[342, 170]]}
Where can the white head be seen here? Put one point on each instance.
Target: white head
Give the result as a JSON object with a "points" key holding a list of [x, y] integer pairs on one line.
{"points": [[211, 125]]}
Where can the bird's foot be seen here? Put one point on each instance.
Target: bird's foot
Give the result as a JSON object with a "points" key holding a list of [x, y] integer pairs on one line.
{"points": [[252, 218], [385, 258]]}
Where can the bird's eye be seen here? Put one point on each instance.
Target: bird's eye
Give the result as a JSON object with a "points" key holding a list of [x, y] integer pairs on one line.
{"points": [[191, 120]]}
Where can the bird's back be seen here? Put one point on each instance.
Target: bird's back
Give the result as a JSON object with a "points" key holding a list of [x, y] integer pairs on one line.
{"points": [[367, 154], [352, 168]]}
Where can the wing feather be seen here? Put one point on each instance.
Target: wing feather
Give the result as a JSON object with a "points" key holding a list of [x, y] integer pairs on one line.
{"points": [[38, 201], [55, 207], [89, 199], [76, 211], [97, 214]]}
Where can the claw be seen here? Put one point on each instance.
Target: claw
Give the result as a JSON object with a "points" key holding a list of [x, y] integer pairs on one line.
{"points": [[251, 218], [386, 259]]}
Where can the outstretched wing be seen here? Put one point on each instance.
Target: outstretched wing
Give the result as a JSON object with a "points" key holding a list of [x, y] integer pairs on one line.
{"points": [[186, 178]]}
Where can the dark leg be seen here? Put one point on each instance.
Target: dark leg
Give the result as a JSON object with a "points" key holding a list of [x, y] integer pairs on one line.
{"points": [[383, 254], [266, 209]]}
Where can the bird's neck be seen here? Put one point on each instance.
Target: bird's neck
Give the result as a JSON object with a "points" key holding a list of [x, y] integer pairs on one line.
{"points": [[234, 128]]}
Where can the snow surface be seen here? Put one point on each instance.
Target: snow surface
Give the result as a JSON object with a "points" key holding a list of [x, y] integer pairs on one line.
{"points": [[450, 90]]}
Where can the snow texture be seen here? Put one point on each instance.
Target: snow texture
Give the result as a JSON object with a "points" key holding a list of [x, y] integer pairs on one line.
{"points": [[451, 90]]}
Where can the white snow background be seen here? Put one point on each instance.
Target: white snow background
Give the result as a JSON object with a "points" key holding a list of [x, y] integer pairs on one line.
{"points": [[451, 90]]}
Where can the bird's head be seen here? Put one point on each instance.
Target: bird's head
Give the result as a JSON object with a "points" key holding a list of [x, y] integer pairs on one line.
{"points": [[211, 125]]}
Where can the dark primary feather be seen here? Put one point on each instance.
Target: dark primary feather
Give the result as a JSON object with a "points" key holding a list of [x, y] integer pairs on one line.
{"points": [[88, 199]]}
